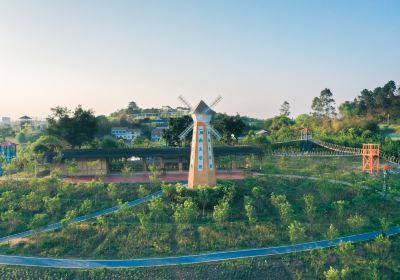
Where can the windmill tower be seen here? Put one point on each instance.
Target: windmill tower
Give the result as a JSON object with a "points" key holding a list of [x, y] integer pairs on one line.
{"points": [[202, 166]]}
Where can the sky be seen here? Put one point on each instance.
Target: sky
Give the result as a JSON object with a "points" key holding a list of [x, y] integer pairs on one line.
{"points": [[256, 54]]}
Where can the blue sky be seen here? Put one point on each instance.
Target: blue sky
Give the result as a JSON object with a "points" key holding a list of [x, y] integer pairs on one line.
{"points": [[256, 54]]}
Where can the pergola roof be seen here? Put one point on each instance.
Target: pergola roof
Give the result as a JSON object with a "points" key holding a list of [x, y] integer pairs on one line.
{"points": [[25, 117], [153, 152]]}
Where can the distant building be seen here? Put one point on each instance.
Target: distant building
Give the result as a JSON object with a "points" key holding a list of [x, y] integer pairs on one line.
{"points": [[183, 110], [39, 125], [25, 118], [125, 133], [157, 133], [133, 106], [159, 122], [166, 108], [5, 120]]}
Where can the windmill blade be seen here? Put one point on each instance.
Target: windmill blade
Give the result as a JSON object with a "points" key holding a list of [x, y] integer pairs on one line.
{"points": [[183, 100], [213, 104], [215, 132], [186, 131], [216, 101]]}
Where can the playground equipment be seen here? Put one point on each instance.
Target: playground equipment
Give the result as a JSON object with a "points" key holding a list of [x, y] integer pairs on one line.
{"points": [[386, 169], [370, 158], [306, 134], [8, 151], [202, 165], [307, 145]]}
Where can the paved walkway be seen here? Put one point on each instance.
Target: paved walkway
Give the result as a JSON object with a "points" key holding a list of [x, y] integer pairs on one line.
{"points": [[79, 219], [190, 259], [172, 177]]}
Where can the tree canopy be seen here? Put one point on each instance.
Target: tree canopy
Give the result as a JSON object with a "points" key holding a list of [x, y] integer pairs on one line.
{"points": [[378, 102], [285, 109], [231, 127], [324, 104], [77, 127], [176, 127]]}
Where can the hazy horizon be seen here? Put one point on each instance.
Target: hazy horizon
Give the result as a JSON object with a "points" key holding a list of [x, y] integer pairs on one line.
{"points": [[256, 54]]}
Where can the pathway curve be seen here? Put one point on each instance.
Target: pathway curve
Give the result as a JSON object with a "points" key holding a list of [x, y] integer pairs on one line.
{"points": [[190, 259], [179, 260], [79, 219]]}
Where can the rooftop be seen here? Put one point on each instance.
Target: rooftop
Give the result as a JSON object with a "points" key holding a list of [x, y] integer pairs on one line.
{"points": [[201, 108], [25, 117]]}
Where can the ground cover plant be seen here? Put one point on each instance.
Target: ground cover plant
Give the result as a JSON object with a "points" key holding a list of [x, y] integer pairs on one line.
{"points": [[32, 203], [256, 212], [346, 169], [377, 259]]}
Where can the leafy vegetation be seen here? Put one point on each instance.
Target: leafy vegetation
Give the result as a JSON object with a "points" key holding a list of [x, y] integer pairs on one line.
{"points": [[259, 211], [76, 128], [29, 204]]}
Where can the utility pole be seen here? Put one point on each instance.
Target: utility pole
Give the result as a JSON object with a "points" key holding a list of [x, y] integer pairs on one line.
{"points": [[34, 156], [384, 188]]}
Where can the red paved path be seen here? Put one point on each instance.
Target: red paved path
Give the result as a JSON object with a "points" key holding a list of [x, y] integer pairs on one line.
{"points": [[144, 177]]}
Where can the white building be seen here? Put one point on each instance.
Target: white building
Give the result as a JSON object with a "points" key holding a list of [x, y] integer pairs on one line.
{"points": [[125, 133], [5, 120]]}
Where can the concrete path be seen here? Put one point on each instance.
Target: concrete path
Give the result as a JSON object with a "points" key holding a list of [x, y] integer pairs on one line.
{"points": [[79, 219], [190, 259]]}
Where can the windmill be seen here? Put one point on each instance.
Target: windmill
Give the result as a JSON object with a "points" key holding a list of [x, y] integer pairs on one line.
{"points": [[202, 168]]}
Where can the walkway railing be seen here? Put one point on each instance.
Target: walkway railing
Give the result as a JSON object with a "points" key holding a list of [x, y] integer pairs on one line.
{"points": [[193, 259], [338, 148], [60, 225], [340, 151]]}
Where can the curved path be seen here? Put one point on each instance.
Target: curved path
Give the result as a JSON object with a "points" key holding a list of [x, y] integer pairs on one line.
{"points": [[178, 260], [80, 219], [136, 202], [190, 259]]}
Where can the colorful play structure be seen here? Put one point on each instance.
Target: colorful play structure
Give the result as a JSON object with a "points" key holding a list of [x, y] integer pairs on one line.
{"points": [[8, 151], [370, 158], [307, 145]]}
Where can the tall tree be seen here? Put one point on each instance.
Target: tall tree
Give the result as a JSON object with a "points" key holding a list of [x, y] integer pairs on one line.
{"points": [[230, 126], [176, 127], [204, 196], [76, 128], [324, 104], [285, 109], [381, 102]]}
